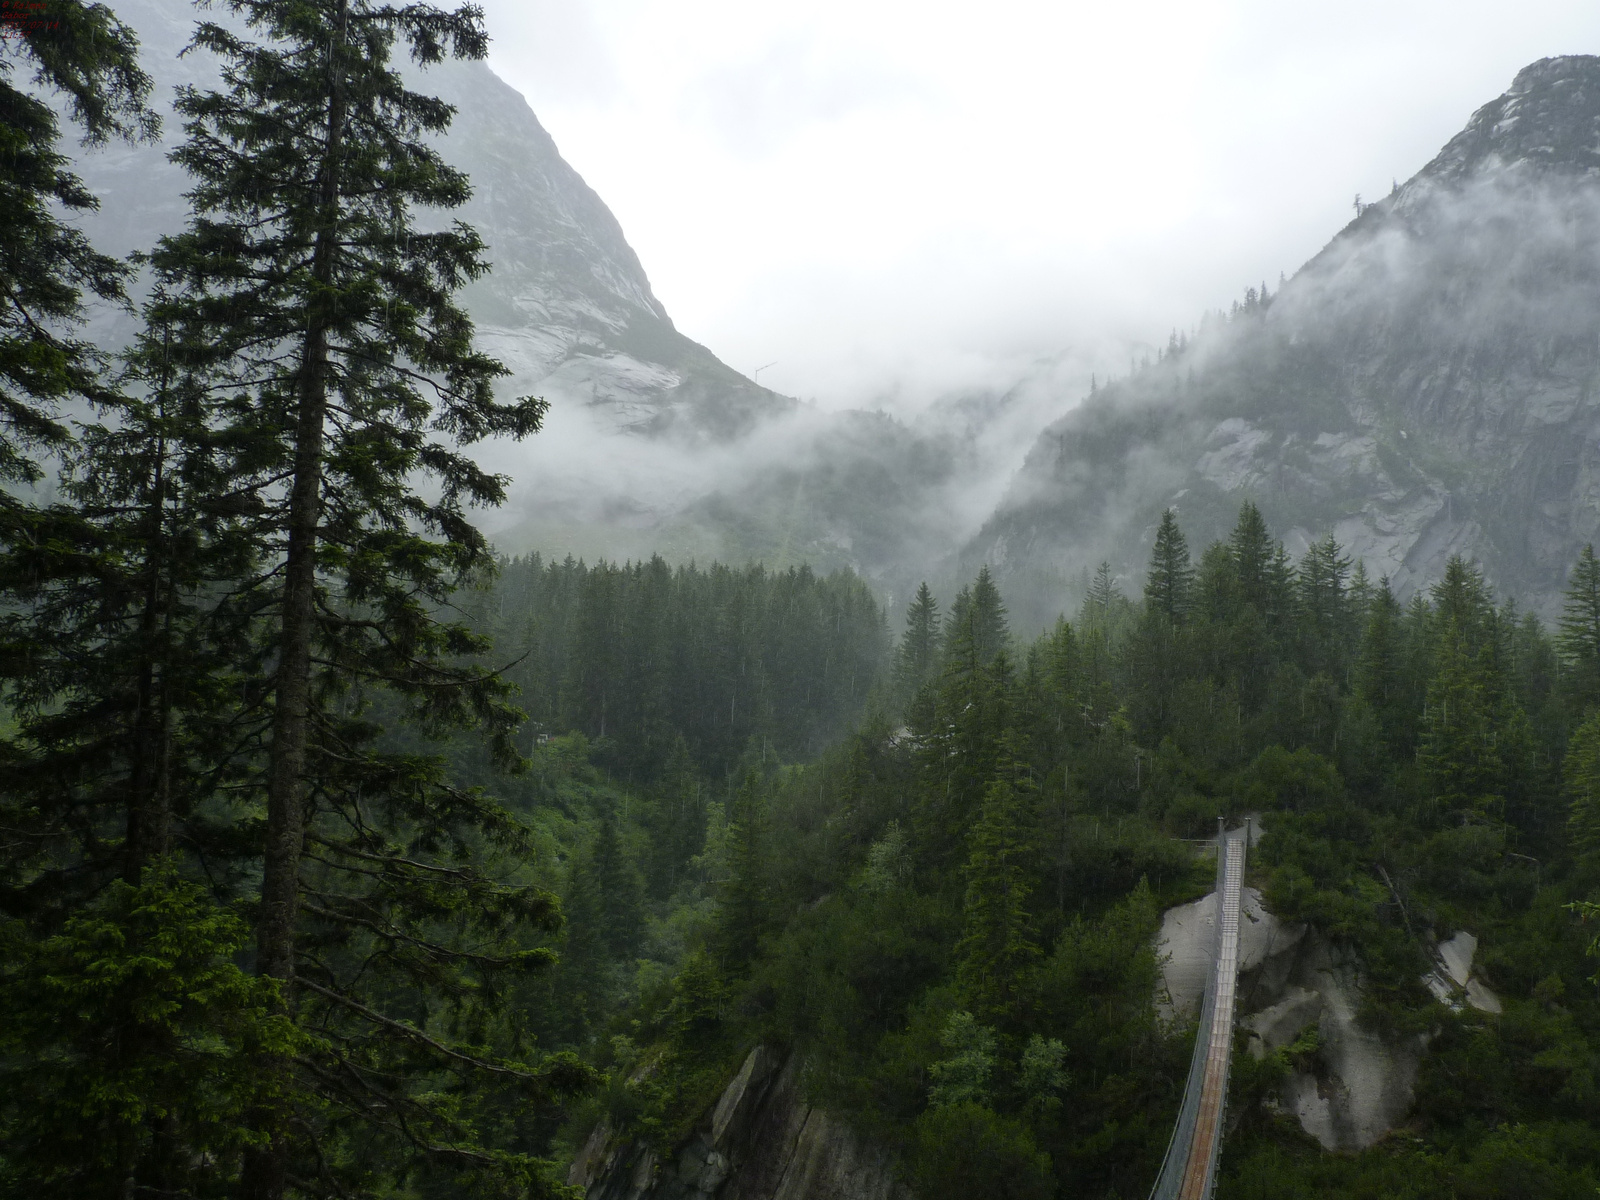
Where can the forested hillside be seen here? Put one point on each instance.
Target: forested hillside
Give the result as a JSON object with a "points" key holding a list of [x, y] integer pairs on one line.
{"points": [[952, 918], [341, 856]]}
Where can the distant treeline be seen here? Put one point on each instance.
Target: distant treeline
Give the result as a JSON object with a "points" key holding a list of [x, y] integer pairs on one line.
{"points": [[636, 656]]}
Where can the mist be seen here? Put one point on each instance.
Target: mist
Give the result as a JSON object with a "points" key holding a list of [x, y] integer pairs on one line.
{"points": [[945, 269], [893, 199], [1419, 390]]}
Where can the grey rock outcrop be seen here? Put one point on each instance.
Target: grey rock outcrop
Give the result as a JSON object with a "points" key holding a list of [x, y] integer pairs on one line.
{"points": [[1425, 386], [1358, 1085], [1188, 934], [1452, 981], [760, 1141], [568, 306], [726, 469]]}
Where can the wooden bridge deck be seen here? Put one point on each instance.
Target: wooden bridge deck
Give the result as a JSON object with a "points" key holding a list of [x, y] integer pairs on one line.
{"points": [[1189, 1171]]}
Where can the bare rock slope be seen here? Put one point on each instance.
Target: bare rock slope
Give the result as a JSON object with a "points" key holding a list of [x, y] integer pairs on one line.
{"points": [[761, 1141], [567, 306], [1351, 1085], [1425, 386]]}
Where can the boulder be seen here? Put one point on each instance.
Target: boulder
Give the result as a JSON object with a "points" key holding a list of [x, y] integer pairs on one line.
{"points": [[1359, 1086]]}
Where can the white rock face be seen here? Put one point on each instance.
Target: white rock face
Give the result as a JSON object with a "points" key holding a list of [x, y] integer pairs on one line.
{"points": [[1366, 1085], [1188, 938], [1455, 956], [1277, 1025], [1290, 979]]}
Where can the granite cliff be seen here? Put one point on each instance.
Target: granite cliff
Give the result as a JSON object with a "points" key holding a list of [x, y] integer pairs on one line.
{"points": [[568, 305], [760, 1141], [1424, 386]]}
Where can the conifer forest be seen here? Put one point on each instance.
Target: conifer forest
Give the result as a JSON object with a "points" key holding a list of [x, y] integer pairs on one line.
{"points": [[344, 855]]}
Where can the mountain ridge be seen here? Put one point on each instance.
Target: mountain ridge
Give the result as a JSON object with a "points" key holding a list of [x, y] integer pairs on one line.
{"points": [[1424, 386], [568, 305]]}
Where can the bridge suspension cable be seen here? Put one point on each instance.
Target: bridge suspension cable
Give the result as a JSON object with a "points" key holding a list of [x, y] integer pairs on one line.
{"points": [[1189, 1170]]}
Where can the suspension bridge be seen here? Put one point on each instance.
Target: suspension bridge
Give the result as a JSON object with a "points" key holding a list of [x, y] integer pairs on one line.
{"points": [[1189, 1170]]}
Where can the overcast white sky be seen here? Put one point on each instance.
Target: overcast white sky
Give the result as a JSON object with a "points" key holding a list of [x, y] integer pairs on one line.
{"points": [[884, 194]]}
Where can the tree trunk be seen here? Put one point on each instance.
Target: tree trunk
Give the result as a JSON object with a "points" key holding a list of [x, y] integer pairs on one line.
{"points": [[266, 1169], [148, 798]]}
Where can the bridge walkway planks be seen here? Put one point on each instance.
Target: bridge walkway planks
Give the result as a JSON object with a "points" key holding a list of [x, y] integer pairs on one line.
{"points": [[1189, 1171]]}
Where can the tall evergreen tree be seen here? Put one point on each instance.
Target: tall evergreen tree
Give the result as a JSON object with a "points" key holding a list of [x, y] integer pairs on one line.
{"points": [[918, 653], [87, 61], [678, 824], [1099, 606], [1252, 550], [1459, 755], [1381, 679], [1324, 606], [1579, 636], [1169, 584], [743, 897], [989, 632], [1361, 593], [124, 649], [999, 940], [1461, 600], [1582, 779], [621, 896], [343, 379]]}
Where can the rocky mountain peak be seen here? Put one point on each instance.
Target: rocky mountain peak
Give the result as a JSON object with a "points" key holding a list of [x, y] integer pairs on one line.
{"points": [[1422, 388], [1548, 119]]}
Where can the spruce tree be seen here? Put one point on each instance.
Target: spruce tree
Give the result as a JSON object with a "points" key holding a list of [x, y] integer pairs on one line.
{"points": [[678, 820], [1324, 604], [918, 652], [1579, 636], [1252, 550], [1100, 602], [621, 894], [1380, 676], [989, 632], [957, 734], [1582, 778], [742, 900], [1461, 601], [999, 940], [1360, 593], [87, 61], [343, 378], [1169, 583], [1459, 754], [124, 648]]}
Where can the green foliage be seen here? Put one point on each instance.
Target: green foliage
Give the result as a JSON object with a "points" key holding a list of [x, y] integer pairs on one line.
{"points": [[1583, 783], [965, 1150], [1578, 639], [1042, 1077], [1459, 754], [953, 919], [84, 60], [918, 653], [1169, 583], [964, 1077], [998, 943], [130, 1046], [743, 897], [642, 657]]}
